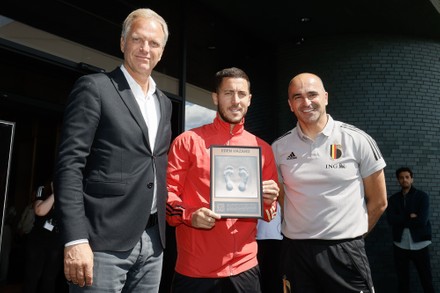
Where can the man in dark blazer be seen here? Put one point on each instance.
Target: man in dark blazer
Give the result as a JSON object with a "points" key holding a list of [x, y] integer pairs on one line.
{"points": [[408, 215], [110, 189]]}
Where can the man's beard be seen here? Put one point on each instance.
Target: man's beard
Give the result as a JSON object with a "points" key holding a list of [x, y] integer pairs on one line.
{"points": [[224, 117]]}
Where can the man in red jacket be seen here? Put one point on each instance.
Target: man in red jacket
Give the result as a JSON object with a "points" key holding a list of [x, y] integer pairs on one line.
{"points": [[215, 253]]}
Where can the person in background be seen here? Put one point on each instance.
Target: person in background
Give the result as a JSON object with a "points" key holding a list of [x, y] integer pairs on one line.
{"points": [[44, 251], [110, 183], [408, 215], [216, 254], [269, 242], [333, 187]]}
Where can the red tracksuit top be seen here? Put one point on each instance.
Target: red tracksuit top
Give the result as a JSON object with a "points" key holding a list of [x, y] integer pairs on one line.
{"points": [[230, 247]]}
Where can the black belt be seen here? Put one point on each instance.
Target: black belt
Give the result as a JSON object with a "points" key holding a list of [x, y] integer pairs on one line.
{"points": [[152, 221]]}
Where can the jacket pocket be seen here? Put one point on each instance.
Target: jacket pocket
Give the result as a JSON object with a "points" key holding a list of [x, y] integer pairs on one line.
{"points": [[103, 189]]}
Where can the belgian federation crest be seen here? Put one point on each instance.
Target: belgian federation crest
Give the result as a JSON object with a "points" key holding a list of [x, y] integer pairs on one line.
{"points": [[335, 151]]}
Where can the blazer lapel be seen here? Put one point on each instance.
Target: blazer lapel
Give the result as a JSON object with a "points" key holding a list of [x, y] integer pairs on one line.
{"points": [[163, 117], [124, 91]]}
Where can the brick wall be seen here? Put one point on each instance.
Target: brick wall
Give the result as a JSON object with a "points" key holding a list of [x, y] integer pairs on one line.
{"points": [[388, 86]]}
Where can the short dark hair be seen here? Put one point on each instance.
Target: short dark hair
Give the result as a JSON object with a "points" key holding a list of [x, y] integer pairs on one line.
{"points": [[232, 72], [403, 169]]}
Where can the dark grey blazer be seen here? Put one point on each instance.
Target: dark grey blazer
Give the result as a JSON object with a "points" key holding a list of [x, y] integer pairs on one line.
{"points": [[105, 169]]}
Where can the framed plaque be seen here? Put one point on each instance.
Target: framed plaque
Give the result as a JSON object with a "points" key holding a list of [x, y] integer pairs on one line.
{"points": [[236, 185]]}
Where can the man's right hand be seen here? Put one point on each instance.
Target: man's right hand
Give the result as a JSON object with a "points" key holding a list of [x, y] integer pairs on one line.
{"points": [[204, 218], [78, 264]]}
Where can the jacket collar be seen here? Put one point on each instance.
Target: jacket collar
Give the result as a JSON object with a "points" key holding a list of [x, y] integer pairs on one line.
{"points": [[225, 126], [411, 191]]}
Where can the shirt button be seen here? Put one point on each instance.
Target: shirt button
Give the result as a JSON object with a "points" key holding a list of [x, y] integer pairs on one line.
{"points": [[150, 185]]}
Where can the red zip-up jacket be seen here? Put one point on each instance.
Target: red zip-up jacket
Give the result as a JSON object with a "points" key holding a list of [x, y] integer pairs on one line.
{"points": [[229, 248]]}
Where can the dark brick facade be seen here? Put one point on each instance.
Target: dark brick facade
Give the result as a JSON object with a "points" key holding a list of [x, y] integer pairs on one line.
{"points": [[388, 86]]}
